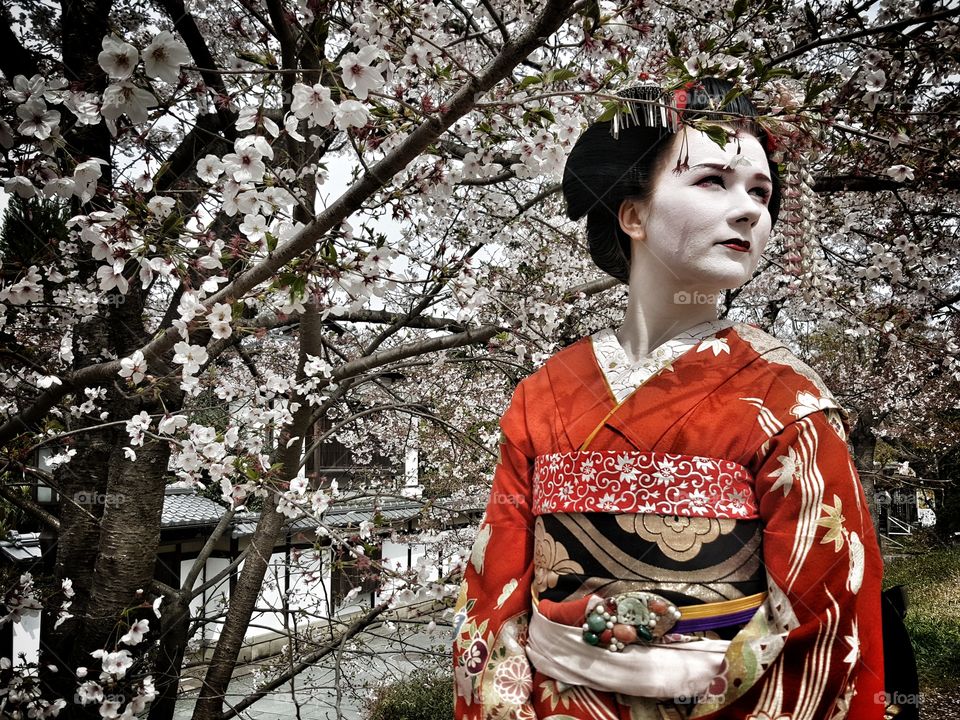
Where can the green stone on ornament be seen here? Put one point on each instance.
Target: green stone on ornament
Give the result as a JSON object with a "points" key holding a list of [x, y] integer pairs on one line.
{"points": [[596, 623], [644, 632], [591, 638]]}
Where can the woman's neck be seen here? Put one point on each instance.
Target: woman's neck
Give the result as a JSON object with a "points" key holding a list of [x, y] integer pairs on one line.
{"points": [[659, 310]]}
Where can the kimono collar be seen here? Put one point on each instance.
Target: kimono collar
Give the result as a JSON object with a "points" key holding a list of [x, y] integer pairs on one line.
{"points": [[624, 376]]}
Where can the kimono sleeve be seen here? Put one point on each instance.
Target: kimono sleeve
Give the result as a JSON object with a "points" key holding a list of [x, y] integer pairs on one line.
{"points": [[492, 676], [823, 562]]}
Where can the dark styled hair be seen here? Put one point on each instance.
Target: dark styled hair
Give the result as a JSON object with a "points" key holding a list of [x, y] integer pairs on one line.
{"points": [[602, 170]]}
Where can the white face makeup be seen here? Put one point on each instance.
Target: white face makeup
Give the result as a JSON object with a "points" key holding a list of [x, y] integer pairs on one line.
{"points": [[707, 226]]}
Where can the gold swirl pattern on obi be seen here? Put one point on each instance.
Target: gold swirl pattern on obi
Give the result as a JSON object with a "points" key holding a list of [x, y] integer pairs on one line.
{"points": [[618, 481]]}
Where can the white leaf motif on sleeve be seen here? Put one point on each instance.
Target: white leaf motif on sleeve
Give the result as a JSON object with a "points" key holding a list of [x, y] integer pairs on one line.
{"points": [[480, 548], [789, 469], [507, 592], [855, 577], [718, 345], [808, 403]]}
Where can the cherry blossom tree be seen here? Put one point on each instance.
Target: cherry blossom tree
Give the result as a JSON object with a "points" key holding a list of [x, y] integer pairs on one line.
{"points": [[233, 223]]}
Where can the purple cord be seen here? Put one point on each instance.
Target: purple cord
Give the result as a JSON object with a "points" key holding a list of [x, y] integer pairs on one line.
{"points": [[686, 626]]}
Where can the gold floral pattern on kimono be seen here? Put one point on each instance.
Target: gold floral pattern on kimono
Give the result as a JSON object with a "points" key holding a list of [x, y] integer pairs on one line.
{"points": [[550, 560], [680, 537]]}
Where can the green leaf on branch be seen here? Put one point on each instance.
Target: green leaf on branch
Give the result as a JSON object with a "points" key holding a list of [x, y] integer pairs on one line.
{"points": [[539, 116], [717, 133], [558, 75], [611, 108], [732, 95], [530, 80], [674, 43]]}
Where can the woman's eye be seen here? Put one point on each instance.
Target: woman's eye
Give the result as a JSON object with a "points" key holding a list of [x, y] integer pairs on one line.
{"points": [[762, 193], [711, 180]]}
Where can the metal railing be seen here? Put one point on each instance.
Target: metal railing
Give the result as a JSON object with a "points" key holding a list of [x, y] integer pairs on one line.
{"points": [[902, 528]]}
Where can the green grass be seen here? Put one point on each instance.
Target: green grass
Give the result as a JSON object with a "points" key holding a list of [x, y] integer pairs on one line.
{"points": [[423, 695], [932, 579]]}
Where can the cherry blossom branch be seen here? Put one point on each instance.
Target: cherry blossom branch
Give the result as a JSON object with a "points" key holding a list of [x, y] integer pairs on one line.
{"points": [[497, 20], [308, 660], [846, 37], [551, 17], [30, 507]]}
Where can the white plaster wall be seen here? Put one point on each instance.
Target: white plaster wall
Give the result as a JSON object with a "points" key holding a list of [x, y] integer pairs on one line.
{"points": [[26, 638]]}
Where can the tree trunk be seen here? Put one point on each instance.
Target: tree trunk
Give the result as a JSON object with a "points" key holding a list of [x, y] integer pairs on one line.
{"points": [[864, 449], [242, 602], [175, 626], [81, 484], [129, 538]]}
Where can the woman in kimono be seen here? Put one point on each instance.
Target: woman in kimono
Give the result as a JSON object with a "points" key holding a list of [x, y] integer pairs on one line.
{"points": [[676, 528]]}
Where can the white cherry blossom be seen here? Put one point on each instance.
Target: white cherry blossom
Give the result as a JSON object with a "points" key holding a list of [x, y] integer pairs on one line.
{"points": [[254, 227], [358, 74], [351, 114], [86, 107], [875, 81], [134, 367], [134, 636], [118, 58], [114, 663], [38, 121], [24, 291], [125, 98], [245, 165], [20, 186], [290, 124], [219, 318], [24, 89], [169, 424], [111, 277], [190, 356], [247, 118], [163, 57], [209, 168], [89, 692], [900, 173], [161, 205], [136, 426], [313, 103]]}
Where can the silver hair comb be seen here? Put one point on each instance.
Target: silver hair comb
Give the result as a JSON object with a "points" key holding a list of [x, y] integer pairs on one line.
{"points": [[646, 106]]}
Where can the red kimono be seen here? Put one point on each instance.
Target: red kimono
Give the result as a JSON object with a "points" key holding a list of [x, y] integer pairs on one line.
{"points": [[714, 473]]}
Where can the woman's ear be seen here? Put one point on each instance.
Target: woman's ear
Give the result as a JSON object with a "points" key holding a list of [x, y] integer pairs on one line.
{"points": [[631, 216]]}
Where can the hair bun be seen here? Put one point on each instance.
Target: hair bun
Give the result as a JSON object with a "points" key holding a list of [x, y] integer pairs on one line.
{"points": [[601, 170]]}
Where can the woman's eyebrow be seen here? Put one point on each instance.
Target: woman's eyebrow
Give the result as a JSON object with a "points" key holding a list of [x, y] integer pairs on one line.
{"points": [[727, 168]]}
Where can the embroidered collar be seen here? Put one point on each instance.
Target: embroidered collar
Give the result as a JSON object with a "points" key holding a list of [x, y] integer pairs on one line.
{"points": [[624, 376]]}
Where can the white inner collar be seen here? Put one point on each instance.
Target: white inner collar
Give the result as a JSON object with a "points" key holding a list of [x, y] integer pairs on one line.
{"points": [[624, 376]]}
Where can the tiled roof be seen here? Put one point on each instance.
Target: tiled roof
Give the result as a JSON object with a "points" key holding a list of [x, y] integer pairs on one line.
{"points": [[342, 515], [182, 507]]}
